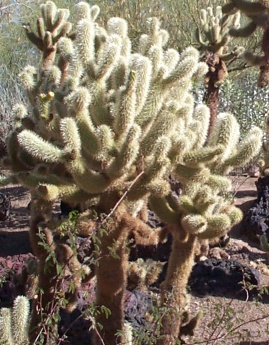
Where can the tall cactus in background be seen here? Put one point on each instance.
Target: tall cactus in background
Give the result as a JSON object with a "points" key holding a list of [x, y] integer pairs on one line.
{"points": [[257, 12], [14, 323], [106, 127], [214, 39]]}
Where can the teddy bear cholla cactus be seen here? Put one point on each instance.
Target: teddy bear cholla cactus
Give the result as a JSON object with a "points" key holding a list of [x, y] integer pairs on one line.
{"points": [[101, 127], [108, 126], [257, 12], [205, 209]]}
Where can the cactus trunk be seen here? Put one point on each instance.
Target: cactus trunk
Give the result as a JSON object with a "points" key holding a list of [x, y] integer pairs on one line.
{"points": [[173, 290], [217, 72], [111, 275], [212, 100], [43, 304]]}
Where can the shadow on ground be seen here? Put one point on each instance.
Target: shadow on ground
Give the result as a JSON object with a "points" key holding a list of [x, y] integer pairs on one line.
{"points": [[12, 243]]}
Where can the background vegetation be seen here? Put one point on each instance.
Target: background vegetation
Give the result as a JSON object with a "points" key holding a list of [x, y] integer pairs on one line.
{"points": [[239, 94]]}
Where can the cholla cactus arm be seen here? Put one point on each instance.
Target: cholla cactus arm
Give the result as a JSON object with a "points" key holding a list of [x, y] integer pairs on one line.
{"points": [[50, 28], [14, 323], [219, 183], [39, 148], [69, 193], [225, 132], [250, 146], [88, 179], [234, 154], [201, 116], [185, 68], [31, 180], [18, 159], [120, 27], [245, 6], [85, 38], [143, 69], [108, 59], [5, 326], [203, 155], [126, 107], [257, 12], [189, 173], [162, 127], [162, 208], [245, 31], [126, 155], [20, 320], [88, 132]]}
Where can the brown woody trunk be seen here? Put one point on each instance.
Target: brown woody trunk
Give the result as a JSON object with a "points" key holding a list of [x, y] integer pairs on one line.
{"points": [[173, 290], [217, 72], [111, 275]]}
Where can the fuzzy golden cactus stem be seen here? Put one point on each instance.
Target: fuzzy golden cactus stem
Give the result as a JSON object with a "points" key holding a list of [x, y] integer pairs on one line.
{"points": [[111, 282], [14, 323], [173, 290]]}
